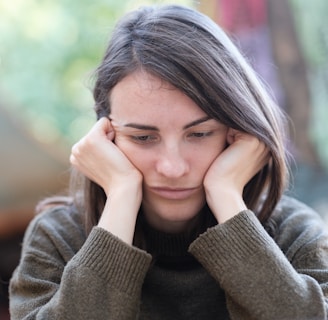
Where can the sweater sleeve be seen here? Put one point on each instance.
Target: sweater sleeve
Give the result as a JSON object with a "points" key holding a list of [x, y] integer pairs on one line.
{"points": [[259, 280], [102, 280]]}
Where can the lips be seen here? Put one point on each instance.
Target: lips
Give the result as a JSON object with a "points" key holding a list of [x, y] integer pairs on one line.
{"points": [[174, 193]]}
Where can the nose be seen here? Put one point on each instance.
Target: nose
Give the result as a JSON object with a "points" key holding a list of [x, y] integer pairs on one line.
{"points": [[172, 163]]}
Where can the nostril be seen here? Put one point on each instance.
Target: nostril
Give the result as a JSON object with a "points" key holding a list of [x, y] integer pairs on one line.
{"points": [[172, 168]]}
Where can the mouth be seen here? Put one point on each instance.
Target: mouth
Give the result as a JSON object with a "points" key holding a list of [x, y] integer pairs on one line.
{"points": [[174, 193]]}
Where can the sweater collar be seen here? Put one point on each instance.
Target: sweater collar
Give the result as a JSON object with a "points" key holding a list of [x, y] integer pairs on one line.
{"points": [[171, 250]]}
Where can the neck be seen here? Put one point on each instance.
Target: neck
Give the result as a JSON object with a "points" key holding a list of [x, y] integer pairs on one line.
{"points": [[174, 219], [167, 248]]}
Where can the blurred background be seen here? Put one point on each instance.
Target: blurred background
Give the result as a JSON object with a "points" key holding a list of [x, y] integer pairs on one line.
{"points": [[49, 48]]}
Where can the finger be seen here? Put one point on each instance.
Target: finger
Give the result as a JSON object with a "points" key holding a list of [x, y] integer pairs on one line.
{"points": [[72, 159], [103, 126], [231, 135], [100, 129], [107, 127], [262, 153], [259, 151]]}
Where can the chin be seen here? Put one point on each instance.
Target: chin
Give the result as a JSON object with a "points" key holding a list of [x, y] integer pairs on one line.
{"points": [[171, 213]]}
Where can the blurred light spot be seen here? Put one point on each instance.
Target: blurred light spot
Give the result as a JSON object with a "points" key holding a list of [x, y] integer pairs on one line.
{"points": [[44, 130], [80, 126]]}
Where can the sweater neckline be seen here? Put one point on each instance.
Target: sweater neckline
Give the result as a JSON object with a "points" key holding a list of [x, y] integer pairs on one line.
{"points": [[170, 250]]}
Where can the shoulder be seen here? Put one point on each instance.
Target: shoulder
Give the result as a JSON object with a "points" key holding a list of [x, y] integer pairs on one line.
{"points": [[292, 213], [58, 229], [296, 227], [60, 219]]}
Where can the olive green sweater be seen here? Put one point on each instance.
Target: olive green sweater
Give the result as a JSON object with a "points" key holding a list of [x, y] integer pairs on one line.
{"points": [[236, 270]]}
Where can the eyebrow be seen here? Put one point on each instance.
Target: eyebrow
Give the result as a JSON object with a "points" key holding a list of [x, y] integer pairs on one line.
{"points": [[196, 122], [153, 128]]}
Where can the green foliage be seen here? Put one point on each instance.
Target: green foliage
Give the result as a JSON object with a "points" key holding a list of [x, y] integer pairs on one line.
{"points": [[48, 50]]}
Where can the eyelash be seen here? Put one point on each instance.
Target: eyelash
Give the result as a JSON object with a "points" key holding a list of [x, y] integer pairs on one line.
{"points": [[200, 135], [147, 139], [144, 139]]}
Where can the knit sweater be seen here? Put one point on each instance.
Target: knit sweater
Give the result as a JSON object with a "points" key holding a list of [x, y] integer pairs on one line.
{"points": [[236, 270]]}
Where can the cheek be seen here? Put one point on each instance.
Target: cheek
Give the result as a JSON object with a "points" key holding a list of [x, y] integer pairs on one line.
{"points": [[202, 161], [133, 153], [205, 156]]}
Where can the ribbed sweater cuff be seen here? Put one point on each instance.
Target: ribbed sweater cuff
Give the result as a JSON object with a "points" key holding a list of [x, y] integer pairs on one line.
{"points": [[117, 263], [227, 245]]}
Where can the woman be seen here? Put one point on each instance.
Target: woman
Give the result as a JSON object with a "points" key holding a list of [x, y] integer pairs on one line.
{"points": [[178, 210]]}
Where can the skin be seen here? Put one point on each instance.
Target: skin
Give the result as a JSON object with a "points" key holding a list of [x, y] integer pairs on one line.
{"points": [[159, 150]]}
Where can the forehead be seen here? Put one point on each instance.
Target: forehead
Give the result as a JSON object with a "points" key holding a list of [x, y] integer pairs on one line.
{"points": [[141, 96], [139, 83]]}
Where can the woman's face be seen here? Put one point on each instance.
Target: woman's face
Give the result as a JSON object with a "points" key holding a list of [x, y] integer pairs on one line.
{"points": [[171, 141]]}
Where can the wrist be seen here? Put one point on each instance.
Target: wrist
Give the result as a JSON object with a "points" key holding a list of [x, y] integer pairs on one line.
{"points": [[225, 204], [121, 210], [124, 184]]}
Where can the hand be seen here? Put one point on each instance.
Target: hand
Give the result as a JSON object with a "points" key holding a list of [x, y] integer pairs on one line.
{"points": [[231, 171], [98, 158]]}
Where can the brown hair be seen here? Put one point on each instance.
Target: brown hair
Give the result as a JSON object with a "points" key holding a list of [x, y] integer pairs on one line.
{"points": [[187, 49]]}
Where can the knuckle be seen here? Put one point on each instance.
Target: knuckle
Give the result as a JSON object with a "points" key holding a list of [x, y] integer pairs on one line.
{"points": [[73, 160], [82, 146], [74, 149]]}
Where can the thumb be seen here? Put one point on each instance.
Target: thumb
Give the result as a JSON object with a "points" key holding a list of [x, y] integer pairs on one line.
{"points": [[105, 127], [231, 135]]}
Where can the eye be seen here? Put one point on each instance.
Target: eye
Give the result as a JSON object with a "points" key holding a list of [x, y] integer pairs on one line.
{"points": [[200, 135], [144, 139]]}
